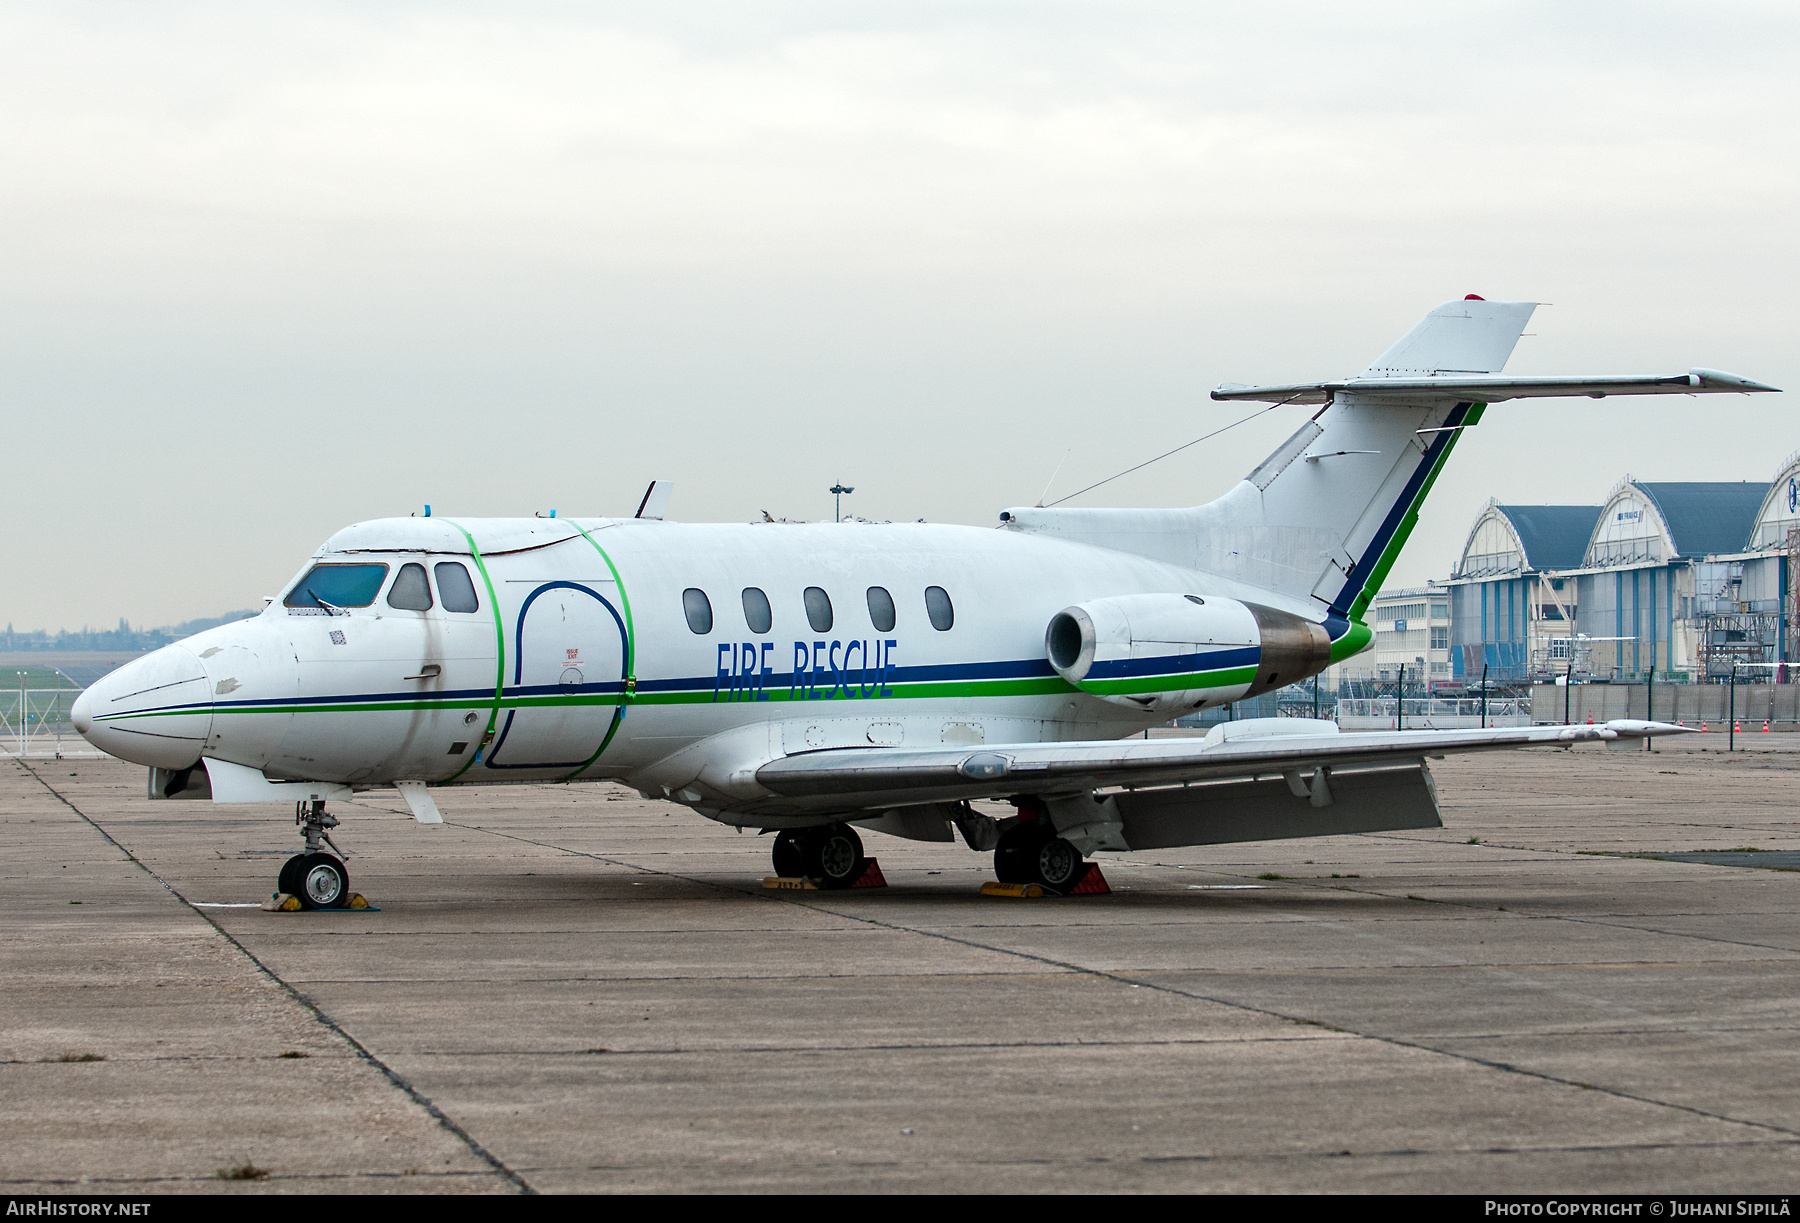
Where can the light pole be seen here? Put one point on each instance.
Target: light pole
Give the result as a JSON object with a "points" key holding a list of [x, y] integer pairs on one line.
{"points": [[1731, 734], [838, 490]]}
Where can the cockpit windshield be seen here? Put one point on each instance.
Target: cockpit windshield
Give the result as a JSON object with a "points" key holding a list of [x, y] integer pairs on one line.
{"points": [[338, 586]]}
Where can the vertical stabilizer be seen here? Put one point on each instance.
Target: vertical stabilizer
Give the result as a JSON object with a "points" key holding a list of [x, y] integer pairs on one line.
{"points": [[1322, 519], [1471, 336]]}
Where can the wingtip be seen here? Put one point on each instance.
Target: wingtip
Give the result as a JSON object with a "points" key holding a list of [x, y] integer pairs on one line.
{"points": [[1724, 381]]}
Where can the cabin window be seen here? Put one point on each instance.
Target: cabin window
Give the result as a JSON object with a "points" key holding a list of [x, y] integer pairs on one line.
{"points": [[699, 610], [881, 609], [756, 610], [410, 591], [338, 586], [455, 588], [818, 609], [937, 606]]}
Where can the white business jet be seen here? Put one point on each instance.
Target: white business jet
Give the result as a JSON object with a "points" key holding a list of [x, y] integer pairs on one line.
{"points": [[811, 679]]}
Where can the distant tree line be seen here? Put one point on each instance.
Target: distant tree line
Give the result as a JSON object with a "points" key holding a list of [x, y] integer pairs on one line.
{"points": [[119, 639]]}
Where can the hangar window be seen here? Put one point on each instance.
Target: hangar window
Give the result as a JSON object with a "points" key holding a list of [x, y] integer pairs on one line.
{"points": [[410, 591], [881, 609], [937, 606], [756, 610], [455, 588], [818, 609], [338, 586], [699, 610]]}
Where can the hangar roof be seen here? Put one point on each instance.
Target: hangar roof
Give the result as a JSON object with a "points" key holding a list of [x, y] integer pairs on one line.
{"points": [[1705, 517], [1553, 536]]}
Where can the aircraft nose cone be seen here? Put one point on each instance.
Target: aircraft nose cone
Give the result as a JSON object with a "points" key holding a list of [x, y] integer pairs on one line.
{"points": [[82, 712], [155, 710]]}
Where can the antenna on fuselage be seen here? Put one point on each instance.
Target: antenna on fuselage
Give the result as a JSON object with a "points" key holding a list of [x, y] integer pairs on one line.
{"points": [[656, 500]]}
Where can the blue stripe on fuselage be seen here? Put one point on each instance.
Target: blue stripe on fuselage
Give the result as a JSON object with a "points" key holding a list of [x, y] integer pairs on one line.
{"points": [[1359, 575]]}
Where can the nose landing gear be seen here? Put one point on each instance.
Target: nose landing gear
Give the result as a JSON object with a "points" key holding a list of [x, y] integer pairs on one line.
{"points": [[315, 878]]}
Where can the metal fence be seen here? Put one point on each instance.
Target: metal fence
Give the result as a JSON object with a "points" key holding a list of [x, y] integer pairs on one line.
{"points": [[1385, 713], [1778, 704], [35, 722]]}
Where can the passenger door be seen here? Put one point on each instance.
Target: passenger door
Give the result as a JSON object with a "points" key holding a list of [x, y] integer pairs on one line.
{"points": [[567, 683]]}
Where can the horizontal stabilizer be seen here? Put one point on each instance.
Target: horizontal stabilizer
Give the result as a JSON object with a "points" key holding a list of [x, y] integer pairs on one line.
{"points": [[1493, 388]]}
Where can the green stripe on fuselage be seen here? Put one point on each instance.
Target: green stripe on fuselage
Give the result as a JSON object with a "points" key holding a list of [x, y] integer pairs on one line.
{"points": [[941, 690], [1355, 639], [1391, 553], [1229, 677]]}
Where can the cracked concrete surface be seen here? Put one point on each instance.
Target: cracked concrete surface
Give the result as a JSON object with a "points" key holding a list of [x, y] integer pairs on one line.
{"points": [[570, 989]]}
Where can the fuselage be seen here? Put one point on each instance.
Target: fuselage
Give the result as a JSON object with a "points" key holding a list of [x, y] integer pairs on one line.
{"points": [[675, 657]]}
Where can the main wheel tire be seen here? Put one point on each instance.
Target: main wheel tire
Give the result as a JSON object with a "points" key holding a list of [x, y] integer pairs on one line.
{"points": [[1057, 864], [834, 856], [292, 875], [1015, 854], [324, 883], [789, 855]]}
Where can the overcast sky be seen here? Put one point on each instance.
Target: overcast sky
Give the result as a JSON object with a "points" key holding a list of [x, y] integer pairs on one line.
{"points": [[271, 269]]}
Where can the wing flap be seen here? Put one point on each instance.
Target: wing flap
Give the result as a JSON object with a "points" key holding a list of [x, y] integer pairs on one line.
{"points": [[1387, 798]]}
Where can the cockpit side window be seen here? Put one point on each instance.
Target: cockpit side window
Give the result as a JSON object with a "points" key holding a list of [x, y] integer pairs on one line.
{"points": [[410, 591], [455, 588], [337, 586]]}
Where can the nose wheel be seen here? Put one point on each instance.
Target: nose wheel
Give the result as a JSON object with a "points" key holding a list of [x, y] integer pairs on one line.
{"points": [[315, 878]]}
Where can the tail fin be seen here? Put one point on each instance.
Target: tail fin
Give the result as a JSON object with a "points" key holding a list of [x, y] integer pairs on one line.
{"points": [[1471, 336], [1319, 522], [1325, 516]]}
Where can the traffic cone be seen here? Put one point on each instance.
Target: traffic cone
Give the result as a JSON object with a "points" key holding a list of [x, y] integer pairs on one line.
{"points": [[1703, 726], [1681, 721], [1735, 728], [1765, 726]]}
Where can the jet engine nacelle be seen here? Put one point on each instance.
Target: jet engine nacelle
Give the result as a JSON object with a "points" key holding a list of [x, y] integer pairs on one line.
{"points": [[1175, 653]]}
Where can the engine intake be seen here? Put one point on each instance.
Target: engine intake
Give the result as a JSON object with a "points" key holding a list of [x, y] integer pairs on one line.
{"points": [[1175, 653]]}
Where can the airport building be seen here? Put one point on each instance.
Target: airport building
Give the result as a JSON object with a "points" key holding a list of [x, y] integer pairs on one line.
{"points": [[1681, 578], [1412, 630]]}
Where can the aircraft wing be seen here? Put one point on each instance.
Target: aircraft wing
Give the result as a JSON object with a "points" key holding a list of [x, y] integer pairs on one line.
{"points": [[1492, 388], [901, 776]]}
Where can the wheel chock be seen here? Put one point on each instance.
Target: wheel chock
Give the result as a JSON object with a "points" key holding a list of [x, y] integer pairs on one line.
{"points": [[1020, 890], [871, 877], [1091, 883], [281, 902]]}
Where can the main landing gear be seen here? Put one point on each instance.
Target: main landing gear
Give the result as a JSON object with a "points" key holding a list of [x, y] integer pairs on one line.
{"points": [[1031, 852], [831, 856], [317, 879]]}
